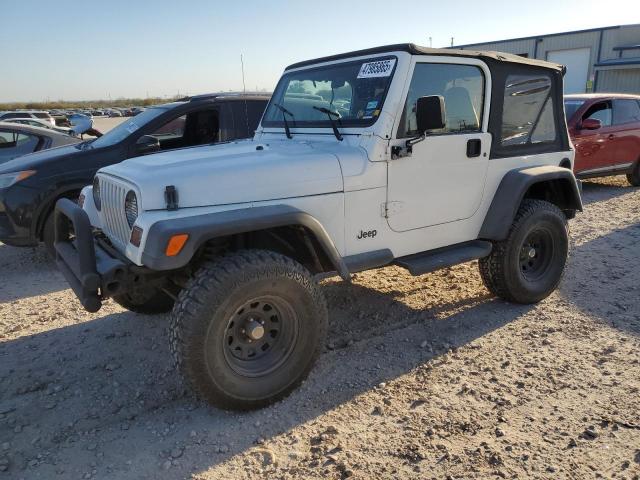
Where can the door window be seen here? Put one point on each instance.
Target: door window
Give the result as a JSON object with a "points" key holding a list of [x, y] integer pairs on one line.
{"points": [[14, 144], [172, 129], [246, 116], [600, 111], [626, 111], [461, 86]]}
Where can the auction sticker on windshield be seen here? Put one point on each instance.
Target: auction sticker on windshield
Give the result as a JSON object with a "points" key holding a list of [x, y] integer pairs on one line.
{"points": [[381, 68]]}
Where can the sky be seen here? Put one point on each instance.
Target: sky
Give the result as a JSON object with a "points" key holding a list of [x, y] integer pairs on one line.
{"points": [[74, 50]]}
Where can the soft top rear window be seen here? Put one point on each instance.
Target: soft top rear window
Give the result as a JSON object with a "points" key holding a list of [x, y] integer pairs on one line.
{"points": [[528, 111]]}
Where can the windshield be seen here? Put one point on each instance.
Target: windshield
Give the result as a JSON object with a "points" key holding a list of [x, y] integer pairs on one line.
{"points": [[571, 107], [355, 91], [126, 128]]}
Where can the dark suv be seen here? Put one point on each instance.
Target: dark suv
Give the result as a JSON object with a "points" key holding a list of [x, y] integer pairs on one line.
{"points": [[31, 185]]}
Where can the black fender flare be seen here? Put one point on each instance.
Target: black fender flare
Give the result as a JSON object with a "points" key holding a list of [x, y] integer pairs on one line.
{"points": [[512, 189], [202, 228]]}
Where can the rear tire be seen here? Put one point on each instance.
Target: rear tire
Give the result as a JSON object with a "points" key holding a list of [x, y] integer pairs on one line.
{"points": [[528, 265], [634, 177], [247, 328], [145, 300]]}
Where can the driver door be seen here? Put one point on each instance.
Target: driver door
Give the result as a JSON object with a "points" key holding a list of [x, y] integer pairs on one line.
{"points": [[443, 180]]}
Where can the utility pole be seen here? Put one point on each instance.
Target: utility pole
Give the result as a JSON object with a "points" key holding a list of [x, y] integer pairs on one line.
{"points": [[452, 41]]}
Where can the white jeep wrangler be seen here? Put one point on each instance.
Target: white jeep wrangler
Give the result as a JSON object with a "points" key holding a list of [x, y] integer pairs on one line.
{"points": [[404, 155]]}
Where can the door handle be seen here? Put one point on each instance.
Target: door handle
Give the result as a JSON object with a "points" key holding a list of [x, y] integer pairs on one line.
{"points": [[474, 147]]}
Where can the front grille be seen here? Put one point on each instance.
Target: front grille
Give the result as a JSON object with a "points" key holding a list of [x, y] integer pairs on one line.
{"points": [[112, 213]]}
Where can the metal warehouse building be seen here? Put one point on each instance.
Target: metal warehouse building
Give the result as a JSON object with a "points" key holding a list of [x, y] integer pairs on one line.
{"points": [[603, 59]]}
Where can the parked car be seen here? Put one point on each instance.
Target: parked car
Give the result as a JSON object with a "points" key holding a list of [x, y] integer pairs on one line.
{"points": [[29, 114], [17, 140], [394, 155], [36, 122], [26, 205], [605, 130]]}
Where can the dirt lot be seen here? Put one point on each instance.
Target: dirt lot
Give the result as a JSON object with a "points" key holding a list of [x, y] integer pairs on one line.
{"points": [[425, 377]]}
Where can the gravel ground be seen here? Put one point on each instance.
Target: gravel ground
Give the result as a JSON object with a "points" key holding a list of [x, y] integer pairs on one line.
{"points": [[426, 377]]}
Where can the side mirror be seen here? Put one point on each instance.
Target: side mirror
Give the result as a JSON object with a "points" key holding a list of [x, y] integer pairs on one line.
{"points": [[430, 113], [591, 124], [147, 144]]}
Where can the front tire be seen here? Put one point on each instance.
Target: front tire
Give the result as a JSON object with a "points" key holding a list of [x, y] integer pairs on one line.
{"points": [[528, 265], [247, 328], [634, 177], [145, 300]]}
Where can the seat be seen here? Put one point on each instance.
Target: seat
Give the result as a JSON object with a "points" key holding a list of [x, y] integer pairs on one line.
{"points": [[460, 113]]}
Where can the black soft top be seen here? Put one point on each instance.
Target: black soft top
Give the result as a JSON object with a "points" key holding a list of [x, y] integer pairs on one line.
{"points": [[504, 68], [490, 57]]}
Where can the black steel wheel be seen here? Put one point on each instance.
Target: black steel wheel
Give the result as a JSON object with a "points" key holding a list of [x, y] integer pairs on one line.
{"points": [[536, 254], [260, 336]]}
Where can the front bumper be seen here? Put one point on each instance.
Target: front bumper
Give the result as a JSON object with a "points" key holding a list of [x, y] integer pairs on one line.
{"points": [[92, 271]]}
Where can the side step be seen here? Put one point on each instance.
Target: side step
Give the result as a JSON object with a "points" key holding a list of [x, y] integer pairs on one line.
{"points": [[425, 262]]}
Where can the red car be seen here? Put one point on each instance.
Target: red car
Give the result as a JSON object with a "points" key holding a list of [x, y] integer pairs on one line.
{"points": [[605, 131]]}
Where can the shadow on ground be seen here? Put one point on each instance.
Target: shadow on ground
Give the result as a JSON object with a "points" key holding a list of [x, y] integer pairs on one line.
{"points": [[597, 281], [104, 392], [598, 189], [27, 272]]}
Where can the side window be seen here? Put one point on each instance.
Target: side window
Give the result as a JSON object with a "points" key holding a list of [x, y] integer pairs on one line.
{"points": [[26, 143], [201, 128], [528, 111], [246, 116], [6, 138], [13, 144], [228, 122], [256, 110], [600, 111], [172, 129], [462, 87], [626, 111]]}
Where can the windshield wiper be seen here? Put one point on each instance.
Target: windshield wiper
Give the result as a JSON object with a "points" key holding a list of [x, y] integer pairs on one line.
{"points": [[331, 114], [285, 112]]}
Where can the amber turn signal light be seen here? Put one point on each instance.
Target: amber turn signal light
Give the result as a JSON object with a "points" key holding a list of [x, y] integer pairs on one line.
{"points": [[174, 247]]}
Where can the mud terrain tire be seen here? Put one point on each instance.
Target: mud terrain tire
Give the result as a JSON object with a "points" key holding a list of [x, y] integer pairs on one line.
{"points": [[528, 265], [247, 328]]}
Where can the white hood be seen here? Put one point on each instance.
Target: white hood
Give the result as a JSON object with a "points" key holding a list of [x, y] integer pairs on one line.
{"points": [[238, 172]]}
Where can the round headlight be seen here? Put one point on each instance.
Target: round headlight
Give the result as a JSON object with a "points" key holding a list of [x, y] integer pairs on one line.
{"points": [[96, 193], [131, 207]]}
